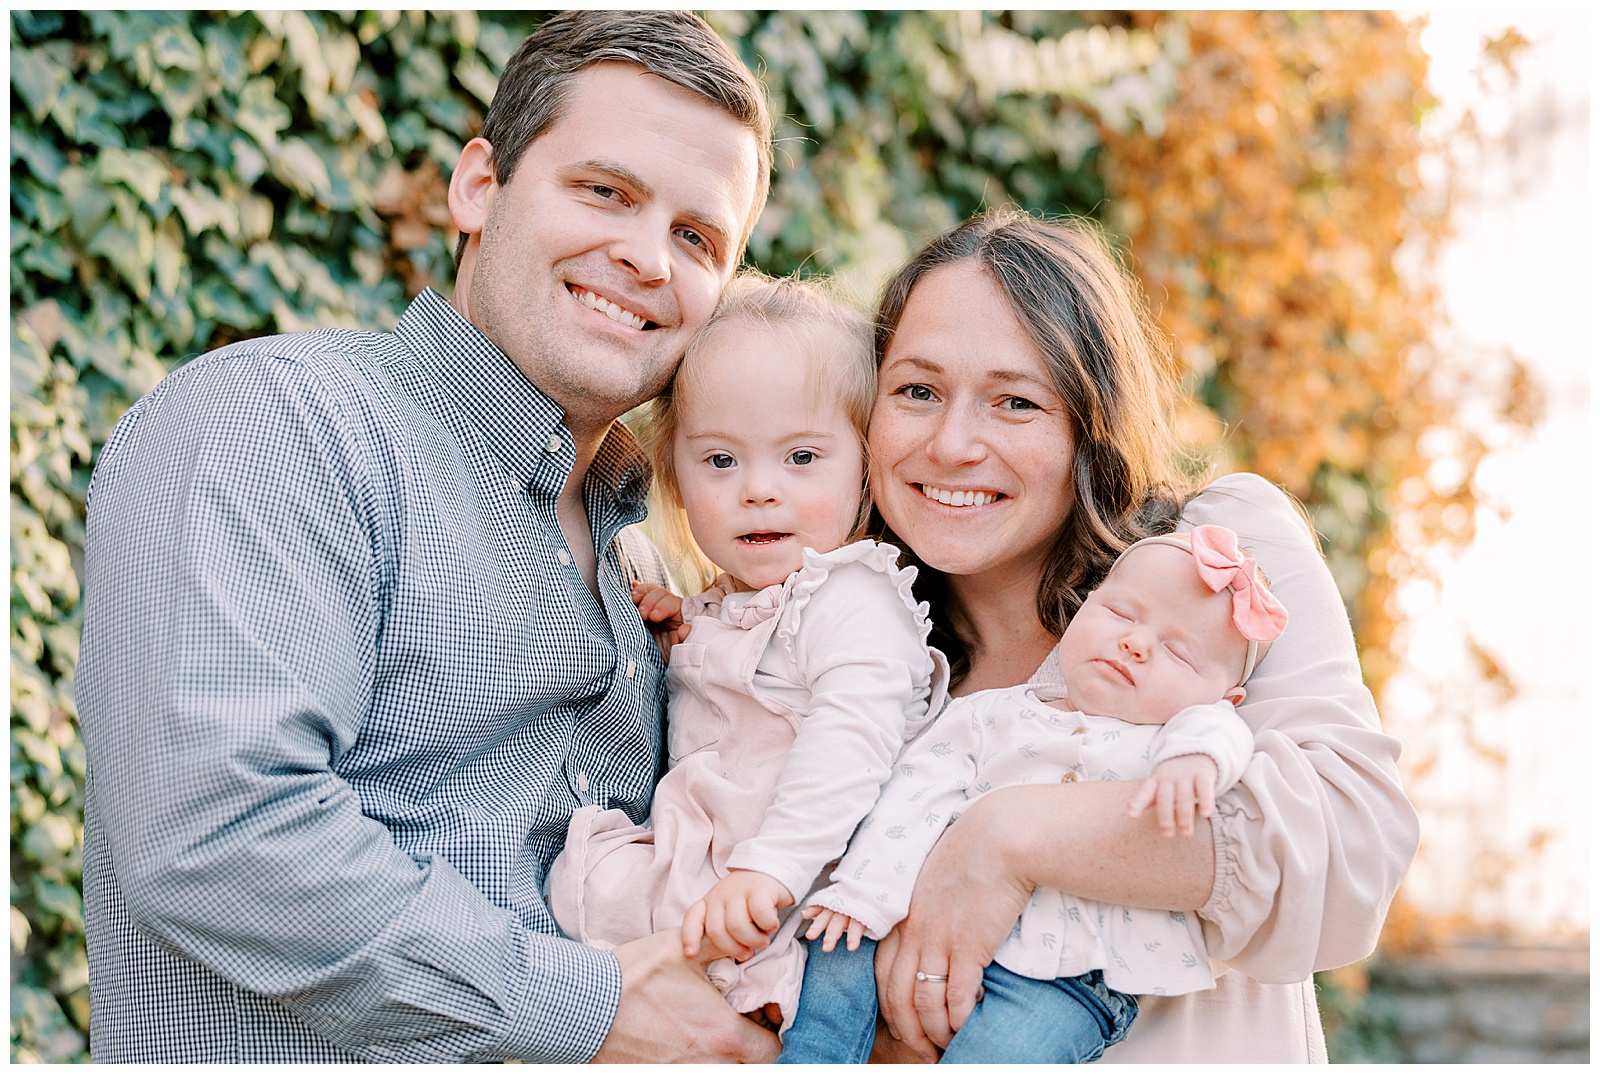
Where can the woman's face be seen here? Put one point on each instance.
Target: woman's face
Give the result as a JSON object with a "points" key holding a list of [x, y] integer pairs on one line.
{"points": [[971, 446]]}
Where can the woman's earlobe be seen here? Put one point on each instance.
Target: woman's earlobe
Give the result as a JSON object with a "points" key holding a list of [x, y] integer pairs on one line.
{"points": [[472, 187]]}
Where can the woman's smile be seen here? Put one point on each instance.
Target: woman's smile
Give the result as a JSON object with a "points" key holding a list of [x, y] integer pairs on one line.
{"points": [[959, 497]]}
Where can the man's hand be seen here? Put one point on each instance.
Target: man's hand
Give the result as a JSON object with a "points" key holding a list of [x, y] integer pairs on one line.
{"points": [[738, 915], [1178, 788], [670, 1013], [830, 925]]}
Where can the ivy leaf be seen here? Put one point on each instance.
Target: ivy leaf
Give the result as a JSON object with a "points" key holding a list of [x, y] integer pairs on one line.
{"points": [[260, 114], [477, 78], [141, 171], [46, 258], [300, 167], [215, 300], [37, 80], [41, 156], [60, 899], [129, 250], [173, 46], [249, 163], [53, 834]]}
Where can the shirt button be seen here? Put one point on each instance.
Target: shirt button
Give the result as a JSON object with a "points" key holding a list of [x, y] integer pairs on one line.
{"points": [[631, 667], [1080, 730], [1070, 777], [583, 783], [553, 444], [563, 556]]}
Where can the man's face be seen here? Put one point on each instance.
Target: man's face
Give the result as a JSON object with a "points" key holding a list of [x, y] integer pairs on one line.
{"points": [[610, 246]]}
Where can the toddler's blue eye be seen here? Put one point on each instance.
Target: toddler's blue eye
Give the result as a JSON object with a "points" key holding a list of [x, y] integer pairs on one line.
{"points": [[803, 457], [721, 461]]}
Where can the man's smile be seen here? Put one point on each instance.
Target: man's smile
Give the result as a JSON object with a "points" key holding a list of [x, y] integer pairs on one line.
{"points": [[617, 313]]}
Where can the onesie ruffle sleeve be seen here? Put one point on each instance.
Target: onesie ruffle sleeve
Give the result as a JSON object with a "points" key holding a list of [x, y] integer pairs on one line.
{"points": [[856, 640], [1213, 730]]}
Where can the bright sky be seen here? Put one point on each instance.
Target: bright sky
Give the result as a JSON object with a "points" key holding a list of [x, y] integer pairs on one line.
{"points": [[1518, 276]]}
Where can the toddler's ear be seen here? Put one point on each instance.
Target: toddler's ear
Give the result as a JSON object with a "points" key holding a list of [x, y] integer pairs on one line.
{"points": [[1236, 695]]}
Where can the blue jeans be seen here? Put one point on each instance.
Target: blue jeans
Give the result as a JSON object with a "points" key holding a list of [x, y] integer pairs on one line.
{"points": [[1019, 1020]]}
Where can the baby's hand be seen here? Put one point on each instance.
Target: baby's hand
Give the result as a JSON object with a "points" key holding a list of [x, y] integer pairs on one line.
{"points": [[664, 609], [1177, 788], [738, 915], [830, 925]]}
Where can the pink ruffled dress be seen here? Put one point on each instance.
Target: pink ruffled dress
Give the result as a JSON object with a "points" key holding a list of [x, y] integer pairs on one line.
{"points": [[788, 707]]}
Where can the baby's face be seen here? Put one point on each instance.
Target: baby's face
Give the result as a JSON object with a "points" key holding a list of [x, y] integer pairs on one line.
{"points": [[764, 470], [1151, 641]]}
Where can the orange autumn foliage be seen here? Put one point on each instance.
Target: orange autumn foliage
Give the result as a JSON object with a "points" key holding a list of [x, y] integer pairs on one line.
{"points": [[1281, 226]]}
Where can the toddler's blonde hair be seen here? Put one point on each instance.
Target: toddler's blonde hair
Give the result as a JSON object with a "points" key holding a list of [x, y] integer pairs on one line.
{"points": [[835, 339]]}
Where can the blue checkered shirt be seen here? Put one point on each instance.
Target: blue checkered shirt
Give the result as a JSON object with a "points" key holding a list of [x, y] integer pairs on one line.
{"points": [[341, 687]]}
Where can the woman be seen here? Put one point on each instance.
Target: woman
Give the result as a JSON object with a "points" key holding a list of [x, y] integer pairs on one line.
{"points": [[1021, 438]]}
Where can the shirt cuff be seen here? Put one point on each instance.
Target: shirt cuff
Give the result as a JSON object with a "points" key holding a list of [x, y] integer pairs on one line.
{"points": [[569, 1002], [876, 923], [1225, 819], [797, 881]]}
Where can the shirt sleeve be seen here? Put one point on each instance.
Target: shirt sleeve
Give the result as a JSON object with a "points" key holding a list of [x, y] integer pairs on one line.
{"points": [[874, 880], [1214, 730], [1314, 840], [232, 611], [860, 652]]}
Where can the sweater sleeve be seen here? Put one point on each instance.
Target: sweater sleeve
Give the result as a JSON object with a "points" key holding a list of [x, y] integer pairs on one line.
{"points": [[859, 647], [1314, 840], [873, 881], [1214, 730]]}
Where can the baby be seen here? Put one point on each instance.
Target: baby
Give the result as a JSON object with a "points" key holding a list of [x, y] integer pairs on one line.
{"points": [[1153, 665], [795, 679]]}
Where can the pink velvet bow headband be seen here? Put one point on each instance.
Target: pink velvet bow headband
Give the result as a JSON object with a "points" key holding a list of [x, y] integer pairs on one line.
{"points": [[1257, 614]]}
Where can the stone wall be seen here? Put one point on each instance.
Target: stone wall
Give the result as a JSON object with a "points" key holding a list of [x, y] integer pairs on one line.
{"points": [[1488, 1003]]}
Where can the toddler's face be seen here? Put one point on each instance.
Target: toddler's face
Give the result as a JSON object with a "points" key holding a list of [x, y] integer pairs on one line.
{"points": [[763, 469], [1151, 641]]}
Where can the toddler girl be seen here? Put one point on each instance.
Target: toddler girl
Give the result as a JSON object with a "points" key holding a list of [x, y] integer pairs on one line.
{"points": [[795, 680], [1153, 665]]}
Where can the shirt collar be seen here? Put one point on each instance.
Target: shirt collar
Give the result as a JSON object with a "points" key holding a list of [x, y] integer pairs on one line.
{"points": [[522, 425]]}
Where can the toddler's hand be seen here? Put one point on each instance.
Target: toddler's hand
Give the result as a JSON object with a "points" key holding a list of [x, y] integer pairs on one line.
{"points": [[830, 925], [1178, 788], [738, 915], [663, 609], [657, 604]]}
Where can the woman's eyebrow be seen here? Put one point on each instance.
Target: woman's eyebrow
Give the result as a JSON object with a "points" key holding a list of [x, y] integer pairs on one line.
{"points": [[1012, 376], [914, 360]]}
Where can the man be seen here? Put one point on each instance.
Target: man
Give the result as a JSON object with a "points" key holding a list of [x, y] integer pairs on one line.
{"points": [[357, 628]]}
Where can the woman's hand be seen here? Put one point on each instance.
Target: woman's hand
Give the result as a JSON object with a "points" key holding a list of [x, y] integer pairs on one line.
{"points": [[966, 899]]}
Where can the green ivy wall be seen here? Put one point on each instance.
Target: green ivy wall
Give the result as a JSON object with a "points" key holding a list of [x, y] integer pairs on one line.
{"points": [[180, 180]]}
